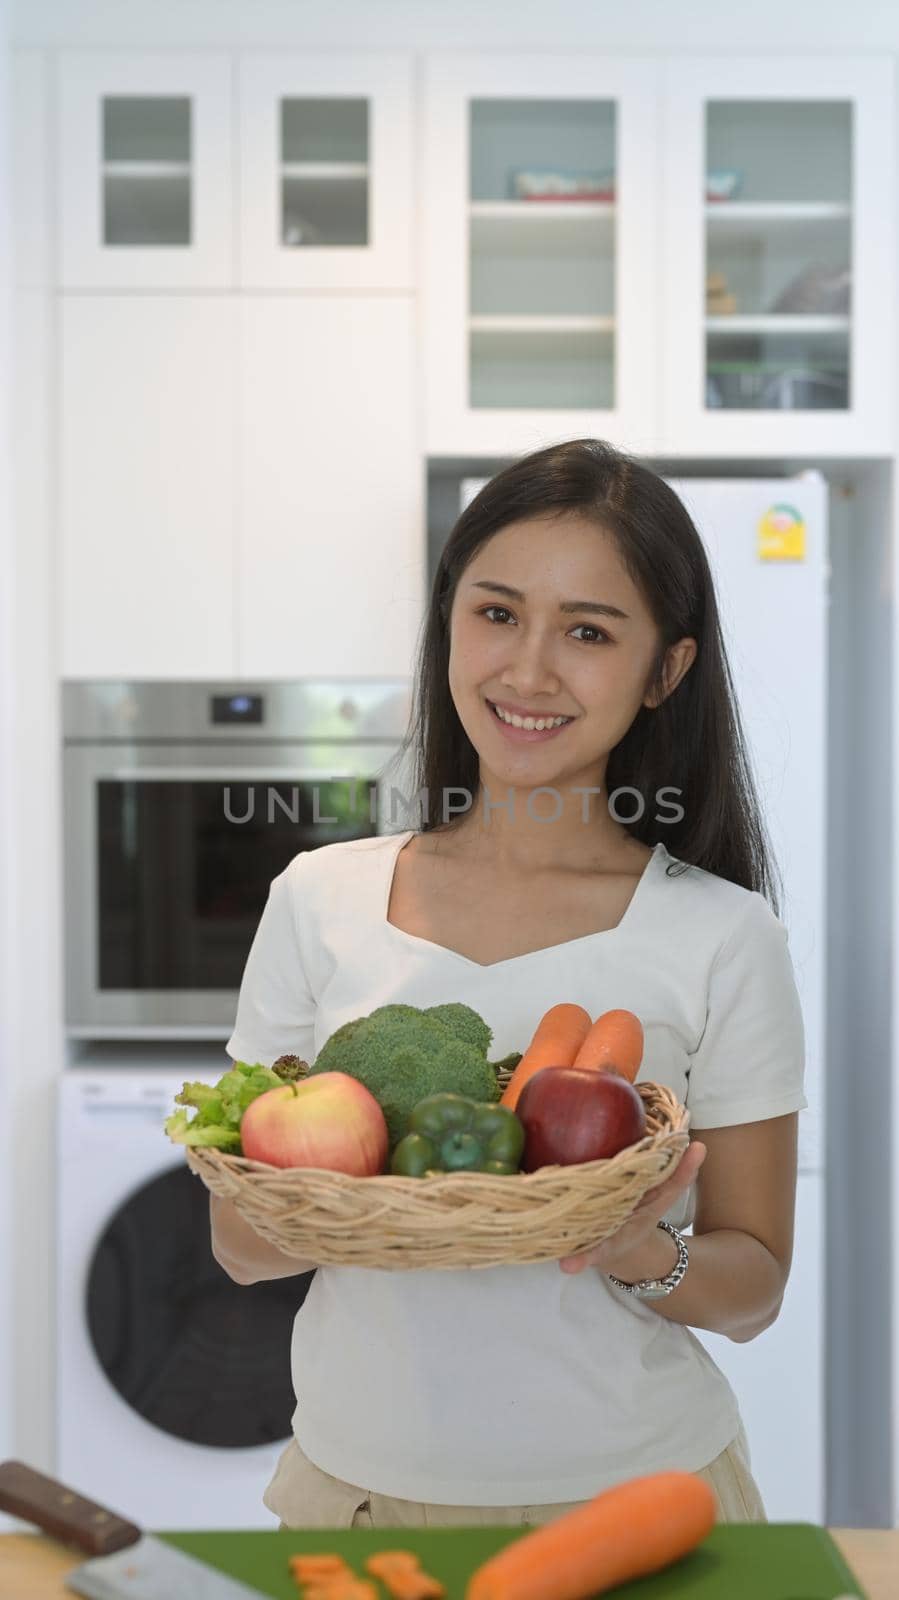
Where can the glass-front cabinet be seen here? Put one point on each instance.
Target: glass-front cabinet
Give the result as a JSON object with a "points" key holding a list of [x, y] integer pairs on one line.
{"points": [[326, 162], [145, 171], [776, 282], [687, 257], [539, 202]]}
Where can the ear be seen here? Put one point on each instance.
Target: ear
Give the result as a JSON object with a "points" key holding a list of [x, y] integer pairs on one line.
{"points": [[678, 661]]}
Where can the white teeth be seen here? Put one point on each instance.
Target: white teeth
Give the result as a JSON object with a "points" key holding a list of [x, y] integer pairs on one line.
{"points": [[532, 724]]}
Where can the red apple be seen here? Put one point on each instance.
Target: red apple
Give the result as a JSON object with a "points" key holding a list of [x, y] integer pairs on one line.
{"points": [[329, 1120], [574, 1114]]}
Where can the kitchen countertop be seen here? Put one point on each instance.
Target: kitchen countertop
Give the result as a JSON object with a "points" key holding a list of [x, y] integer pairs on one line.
{"points": [[32, 1566]]}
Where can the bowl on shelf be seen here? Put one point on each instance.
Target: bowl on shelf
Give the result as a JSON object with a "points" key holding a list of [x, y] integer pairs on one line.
{"points": [[722, 183]]}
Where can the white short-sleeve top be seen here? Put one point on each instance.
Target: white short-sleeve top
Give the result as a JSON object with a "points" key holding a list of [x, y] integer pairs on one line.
{"points": [[522, 1384]]}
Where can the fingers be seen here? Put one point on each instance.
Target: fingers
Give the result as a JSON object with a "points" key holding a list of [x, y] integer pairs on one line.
{"points": [[655, 1200], [681, 1178]]}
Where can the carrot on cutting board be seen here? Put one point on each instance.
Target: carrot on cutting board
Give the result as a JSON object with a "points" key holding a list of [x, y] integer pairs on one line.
{"points": [[347, 1588], [556, 1042], [403, 1577], [623, 1533], [614, 1044], [317, 1564]]}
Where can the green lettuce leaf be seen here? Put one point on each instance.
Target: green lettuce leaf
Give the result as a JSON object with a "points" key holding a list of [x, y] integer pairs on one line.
{"points": [[212, 1136], [241, 1086], [219, 1107]]}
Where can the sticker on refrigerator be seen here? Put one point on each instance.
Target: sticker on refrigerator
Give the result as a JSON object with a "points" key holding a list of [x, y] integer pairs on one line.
{"points": [[781, 534]]}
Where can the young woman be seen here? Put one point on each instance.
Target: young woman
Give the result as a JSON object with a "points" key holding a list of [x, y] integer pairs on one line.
{"points": [[615, 858]]}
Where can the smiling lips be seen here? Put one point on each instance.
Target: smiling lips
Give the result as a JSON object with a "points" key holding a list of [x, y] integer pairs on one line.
{"points": [[525, 714], [526, 728]]}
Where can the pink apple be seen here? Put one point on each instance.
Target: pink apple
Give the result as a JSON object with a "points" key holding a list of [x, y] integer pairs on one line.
{"points": [[329, 1120]]}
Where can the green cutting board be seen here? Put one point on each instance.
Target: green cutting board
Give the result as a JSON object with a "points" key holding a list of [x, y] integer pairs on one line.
{"points": [[737, 1561]]}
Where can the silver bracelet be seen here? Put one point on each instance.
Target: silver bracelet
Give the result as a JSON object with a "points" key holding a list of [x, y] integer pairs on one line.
{"points": [[657, 1288]]}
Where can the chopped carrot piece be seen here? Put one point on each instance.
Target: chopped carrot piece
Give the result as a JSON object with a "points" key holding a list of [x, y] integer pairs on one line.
{"points": [[327, 1576], [325, 1562], [325, 1580], [392, 1561], [342, 1588], [320, 1562], [401, 1574], [325, 1573], [414, 1586]]}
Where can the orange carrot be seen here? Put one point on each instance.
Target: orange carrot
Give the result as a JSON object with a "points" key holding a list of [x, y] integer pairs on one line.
{"points": [[623, 1533], [414, 1586], [404, 1578], [320, 1572], [388, 1561], [556, 1042], [317, 1564], [614, 1044], [348, 1588]]}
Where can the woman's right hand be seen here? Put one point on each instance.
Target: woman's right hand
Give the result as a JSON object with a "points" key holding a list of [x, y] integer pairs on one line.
{"points": [[242, 1252]]}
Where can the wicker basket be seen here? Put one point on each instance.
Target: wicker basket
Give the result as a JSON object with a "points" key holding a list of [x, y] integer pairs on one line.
{"points": [[454, 1219]]}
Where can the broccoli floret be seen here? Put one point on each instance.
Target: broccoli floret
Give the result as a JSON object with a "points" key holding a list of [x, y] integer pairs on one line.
{"points": [[402, 1055], [463, 1023]]}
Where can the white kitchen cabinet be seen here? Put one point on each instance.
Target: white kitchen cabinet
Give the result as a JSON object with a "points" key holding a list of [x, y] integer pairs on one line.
{"points": [[541, 260], [331, 554], [778, 263], [144, 167], [146, 486], [240, 486], [326, 171], [779, 1380]]}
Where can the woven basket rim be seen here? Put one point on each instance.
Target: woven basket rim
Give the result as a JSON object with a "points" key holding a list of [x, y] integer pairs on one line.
{"points": [[676, 1115]]}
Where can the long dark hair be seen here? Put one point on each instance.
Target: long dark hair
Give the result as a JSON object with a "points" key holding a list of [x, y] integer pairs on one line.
{"points": [[693, 741]]}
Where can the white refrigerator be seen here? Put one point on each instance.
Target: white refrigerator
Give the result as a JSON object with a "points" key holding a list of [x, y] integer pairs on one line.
{"points": [[766, 540]]}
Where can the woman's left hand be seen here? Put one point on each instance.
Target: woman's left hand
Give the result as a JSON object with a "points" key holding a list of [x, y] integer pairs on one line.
{"points": [[633, 1251]]}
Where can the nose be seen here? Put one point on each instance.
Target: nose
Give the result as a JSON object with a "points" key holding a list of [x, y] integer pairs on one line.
{"points": [[530, 672]]}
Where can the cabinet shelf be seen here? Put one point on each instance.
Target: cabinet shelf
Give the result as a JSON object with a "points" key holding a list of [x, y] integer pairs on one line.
{"points": [[543, 212], [326, 171], [776, 323], [726, 211], [146, 169], [536, 324]]}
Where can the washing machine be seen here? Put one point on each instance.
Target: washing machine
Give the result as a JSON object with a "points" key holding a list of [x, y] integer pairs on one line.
{"points": [[174, 1395]]}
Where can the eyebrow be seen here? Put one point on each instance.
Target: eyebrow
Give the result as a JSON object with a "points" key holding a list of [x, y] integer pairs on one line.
{"points": [[593, 606]]}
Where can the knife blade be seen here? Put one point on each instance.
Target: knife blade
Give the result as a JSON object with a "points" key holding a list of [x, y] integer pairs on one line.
{"points": [[129, 1564]]}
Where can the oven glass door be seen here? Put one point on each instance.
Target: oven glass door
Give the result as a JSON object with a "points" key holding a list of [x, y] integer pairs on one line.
{"points": [[169, 863]]}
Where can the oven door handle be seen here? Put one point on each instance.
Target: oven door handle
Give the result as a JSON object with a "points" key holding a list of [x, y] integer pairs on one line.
{"points": [[230, 775]]}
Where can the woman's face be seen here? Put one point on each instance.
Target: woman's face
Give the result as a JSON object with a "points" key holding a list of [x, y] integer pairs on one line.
{"points": [[522, 651]]}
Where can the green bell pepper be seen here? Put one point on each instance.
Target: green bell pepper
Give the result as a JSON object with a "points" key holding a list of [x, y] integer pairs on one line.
{"points": [[450, 1133]]}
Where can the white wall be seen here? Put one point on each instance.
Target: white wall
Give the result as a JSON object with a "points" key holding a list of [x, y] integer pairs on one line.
{"points": [[7, 762], [768, 27], [29, 845]]}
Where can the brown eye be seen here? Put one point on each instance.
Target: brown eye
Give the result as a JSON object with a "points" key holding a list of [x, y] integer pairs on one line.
{"points": [[601, 636]]}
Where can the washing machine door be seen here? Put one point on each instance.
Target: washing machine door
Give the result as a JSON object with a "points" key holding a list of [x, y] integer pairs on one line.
{"points": [[199, 1356]]}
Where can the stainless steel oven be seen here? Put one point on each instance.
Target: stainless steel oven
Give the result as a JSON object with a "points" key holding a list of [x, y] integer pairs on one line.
{"points": [[181, 802]]}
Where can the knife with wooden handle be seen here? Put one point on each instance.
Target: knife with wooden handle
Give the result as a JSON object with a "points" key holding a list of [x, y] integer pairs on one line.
{"points": [[129, 1564]]}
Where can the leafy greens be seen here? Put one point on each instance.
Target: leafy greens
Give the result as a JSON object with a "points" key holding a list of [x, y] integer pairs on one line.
{"points": [[219, 1107]]}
